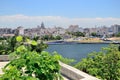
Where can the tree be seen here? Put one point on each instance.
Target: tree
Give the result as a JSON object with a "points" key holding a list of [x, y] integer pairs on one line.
{"points": [[118, 35], [58, 37], [104, 64], [51, 37], [39, 47], [94, 34], [8, 45], [46, 37], [77, 34]]}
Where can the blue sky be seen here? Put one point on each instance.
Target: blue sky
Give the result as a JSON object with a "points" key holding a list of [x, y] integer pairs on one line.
{"points": [[70, 10]]}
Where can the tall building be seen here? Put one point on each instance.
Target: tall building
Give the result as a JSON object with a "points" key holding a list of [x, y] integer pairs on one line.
{"points": [[42, 25], [5, 30], [115, 28]]}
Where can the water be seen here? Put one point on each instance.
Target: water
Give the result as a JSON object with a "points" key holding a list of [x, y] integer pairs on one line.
{"points": [[75, 51]]}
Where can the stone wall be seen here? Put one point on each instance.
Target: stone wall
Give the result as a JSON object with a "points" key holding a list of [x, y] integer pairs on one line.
{"points": [[75, 74], [4, 58]]}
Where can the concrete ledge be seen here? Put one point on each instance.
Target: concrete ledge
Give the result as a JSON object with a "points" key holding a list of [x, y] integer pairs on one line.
{"points": [[75, 74], [4, 58], [2, 64]]}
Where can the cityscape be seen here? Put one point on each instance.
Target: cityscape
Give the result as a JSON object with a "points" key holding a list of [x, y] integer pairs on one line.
{"points": [[41, 30], [59, 39]]}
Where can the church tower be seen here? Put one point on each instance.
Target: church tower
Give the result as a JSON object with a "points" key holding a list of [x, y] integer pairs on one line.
{"points": [[42, 25]]}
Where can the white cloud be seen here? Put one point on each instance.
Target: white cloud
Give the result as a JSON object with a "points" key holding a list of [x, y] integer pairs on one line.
{"points": [[51, 21]]}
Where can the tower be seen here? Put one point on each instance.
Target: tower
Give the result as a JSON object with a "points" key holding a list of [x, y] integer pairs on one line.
{"points": [[42, 25]]}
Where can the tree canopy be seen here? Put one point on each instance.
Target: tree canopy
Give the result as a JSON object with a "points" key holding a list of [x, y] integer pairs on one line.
{"points": [[77, 34]]}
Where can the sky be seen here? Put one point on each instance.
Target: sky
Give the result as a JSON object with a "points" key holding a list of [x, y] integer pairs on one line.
{"points": [[60, 13]]}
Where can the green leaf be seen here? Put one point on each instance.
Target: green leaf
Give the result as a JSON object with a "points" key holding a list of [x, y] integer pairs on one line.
{"points": [[34, 43], [19, 38], [28, 40], [21, 48]]}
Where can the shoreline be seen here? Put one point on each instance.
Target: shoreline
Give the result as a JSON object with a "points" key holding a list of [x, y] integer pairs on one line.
{"points": [[76, 42], [85, 40]]}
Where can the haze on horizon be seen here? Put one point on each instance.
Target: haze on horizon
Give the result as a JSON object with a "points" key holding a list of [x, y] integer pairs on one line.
{"points": [[62, 13]]}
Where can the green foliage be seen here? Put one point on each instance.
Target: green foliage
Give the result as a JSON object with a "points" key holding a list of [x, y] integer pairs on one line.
{"points": [[94, 34], [37, 46], [67, 60], [77, 34], [104, 65], [30, 65], [3, 47], [118, 35], [36, 38], [34, 43], [2, 38], [50, 37], [46, 37], [10, 44], [19, 38], [57, 38]]}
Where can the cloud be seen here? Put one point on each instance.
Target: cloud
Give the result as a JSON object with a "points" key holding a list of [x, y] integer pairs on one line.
{"points": [[51, 21]]}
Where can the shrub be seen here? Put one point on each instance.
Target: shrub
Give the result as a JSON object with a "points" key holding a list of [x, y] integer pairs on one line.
{"points": [[104, 64], [31, 65]]}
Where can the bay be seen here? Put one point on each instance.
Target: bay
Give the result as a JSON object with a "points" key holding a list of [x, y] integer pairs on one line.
{"points": [[75, 51]]}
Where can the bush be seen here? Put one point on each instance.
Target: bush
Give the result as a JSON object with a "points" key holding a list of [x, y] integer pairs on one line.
{"points": [[104, 64], [31, 65]]}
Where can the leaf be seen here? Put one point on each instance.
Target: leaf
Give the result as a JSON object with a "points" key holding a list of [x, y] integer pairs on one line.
{"points": [[51, 67], [34, 43], [19, 38], [21, 48], [28, 40]]}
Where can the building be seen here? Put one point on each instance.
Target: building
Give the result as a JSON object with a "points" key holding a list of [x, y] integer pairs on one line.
{"points": [[115, 28], [42, 25], [73, 28], [19, 31], [57, 31], [103, 31], [87, 32], [6, 32]]}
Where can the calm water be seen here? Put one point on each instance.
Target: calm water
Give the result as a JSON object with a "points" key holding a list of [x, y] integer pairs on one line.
{"points": [[75, 51]]}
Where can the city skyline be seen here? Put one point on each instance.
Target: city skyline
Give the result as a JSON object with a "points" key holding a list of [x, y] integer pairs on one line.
{"points": [[30, 13]]}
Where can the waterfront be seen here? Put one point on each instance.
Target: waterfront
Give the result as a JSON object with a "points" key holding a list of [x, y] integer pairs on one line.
{"points": [[75, 51]]}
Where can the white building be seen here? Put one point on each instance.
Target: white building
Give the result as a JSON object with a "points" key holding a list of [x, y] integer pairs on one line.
{"points": [[20, 30], [115, 28]]}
